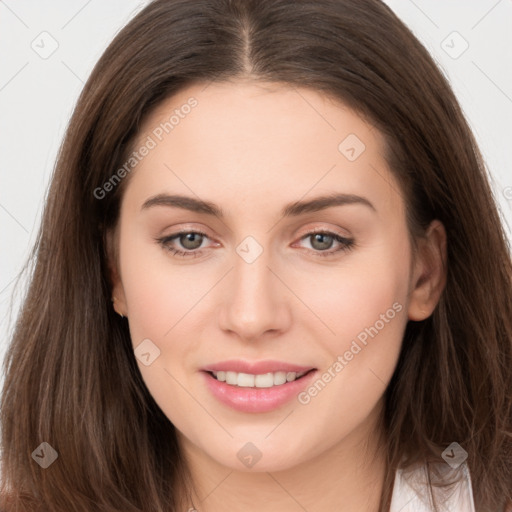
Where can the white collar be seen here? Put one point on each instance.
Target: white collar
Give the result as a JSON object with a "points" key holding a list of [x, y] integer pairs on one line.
{"points": [[411, 491]]}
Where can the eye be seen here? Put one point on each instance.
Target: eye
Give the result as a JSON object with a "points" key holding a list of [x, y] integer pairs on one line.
{"points": [[189, 240], [322, 241]]}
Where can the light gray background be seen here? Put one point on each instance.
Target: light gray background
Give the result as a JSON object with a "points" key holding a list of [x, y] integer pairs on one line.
{"points": [[38, 92]]}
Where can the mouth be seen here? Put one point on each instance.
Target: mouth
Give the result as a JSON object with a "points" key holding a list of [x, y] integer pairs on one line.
{"points": [[261, 387], [262, 380]]}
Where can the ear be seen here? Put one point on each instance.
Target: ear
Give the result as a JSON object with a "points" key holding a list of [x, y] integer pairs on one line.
{"points": [[118, 297], [429, 273]]}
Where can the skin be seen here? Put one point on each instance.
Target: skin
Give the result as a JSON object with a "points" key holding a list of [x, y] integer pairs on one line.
{"points": [[252, 149]]}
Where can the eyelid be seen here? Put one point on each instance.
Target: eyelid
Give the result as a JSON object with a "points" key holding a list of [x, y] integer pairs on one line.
{"points": [[345, 242], [324, 229]]}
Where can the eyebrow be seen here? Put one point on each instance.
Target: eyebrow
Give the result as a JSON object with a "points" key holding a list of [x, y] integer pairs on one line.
{"points": [[291, 210]]}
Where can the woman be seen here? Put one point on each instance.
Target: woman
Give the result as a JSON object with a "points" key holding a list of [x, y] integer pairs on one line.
{"points": [[270, 276]]}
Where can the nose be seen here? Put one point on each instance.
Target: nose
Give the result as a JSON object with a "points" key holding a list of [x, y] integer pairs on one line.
{"points": [[256, 302]]}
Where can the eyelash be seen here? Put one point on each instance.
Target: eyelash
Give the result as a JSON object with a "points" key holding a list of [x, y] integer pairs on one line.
{"points": [[347, 244]]}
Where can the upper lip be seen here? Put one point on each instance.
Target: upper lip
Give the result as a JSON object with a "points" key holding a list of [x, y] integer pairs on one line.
{"points": [[256, 367]]}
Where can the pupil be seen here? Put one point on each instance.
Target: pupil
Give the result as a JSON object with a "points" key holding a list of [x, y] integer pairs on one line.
{"points": [[321, 238], [190, 241]]}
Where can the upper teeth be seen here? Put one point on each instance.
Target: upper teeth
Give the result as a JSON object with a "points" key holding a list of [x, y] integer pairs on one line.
{"points": [[265, 380]]}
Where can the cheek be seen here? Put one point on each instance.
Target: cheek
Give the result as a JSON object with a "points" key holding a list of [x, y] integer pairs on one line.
{"points": [[160, 296], [364, 305], [352, 297], [158, 292], [369, 323]]}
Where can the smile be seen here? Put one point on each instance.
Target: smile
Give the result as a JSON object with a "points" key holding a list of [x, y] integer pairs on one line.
{"points": [[263, 380], [256, 387]]}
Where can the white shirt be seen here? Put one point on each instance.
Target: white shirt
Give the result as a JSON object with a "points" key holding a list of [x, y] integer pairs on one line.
{"points": [[411, 491]]}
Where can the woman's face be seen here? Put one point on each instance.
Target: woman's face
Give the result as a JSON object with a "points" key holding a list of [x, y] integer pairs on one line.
{"points": [[259, 297]]}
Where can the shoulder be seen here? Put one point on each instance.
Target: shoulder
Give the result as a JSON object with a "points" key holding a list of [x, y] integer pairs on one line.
{"points": [[417, 488]]}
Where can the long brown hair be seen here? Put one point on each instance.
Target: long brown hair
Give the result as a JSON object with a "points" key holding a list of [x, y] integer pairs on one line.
{"points": [[71, 376]]}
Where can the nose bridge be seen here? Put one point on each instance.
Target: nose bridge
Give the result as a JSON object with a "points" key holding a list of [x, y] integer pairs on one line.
{"points": [[254, 303], [251, 277]]}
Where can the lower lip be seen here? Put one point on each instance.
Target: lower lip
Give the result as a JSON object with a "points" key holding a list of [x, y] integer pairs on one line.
{"points": [[256, 399]]}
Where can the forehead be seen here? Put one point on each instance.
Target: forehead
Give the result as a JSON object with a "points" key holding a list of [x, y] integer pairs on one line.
{"points": [[256, 113], [259, 139]]}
